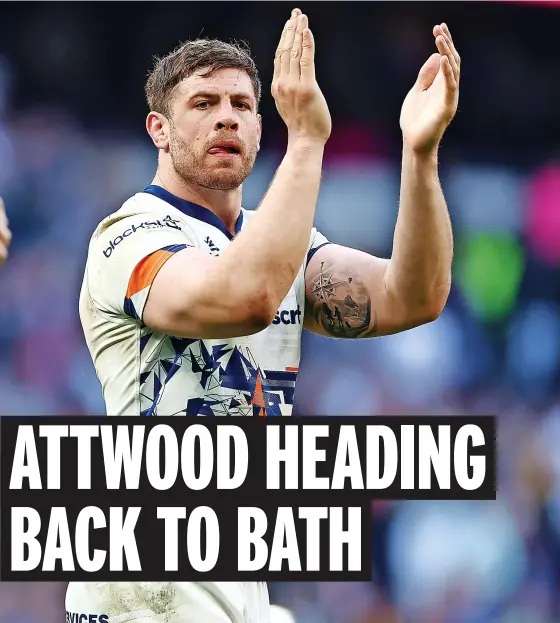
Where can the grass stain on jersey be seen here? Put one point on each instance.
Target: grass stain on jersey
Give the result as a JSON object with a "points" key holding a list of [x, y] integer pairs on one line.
{"points": [[123, 597]]}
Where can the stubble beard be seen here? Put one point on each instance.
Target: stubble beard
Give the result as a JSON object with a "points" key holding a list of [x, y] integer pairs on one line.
{"points": [[193, 170]]}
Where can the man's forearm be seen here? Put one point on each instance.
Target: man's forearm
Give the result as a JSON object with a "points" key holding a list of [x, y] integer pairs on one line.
{"points": [[270, 250], [418, 275]]}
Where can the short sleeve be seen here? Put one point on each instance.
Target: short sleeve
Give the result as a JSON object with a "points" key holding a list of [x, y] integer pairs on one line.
{"points": [[125, 258], [317, 240]]}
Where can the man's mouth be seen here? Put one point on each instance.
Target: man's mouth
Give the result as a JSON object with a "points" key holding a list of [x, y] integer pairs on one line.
{"points": [[224, 150]]}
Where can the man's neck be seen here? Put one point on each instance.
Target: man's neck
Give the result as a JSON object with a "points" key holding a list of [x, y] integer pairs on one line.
{"points": [[225, 204]]}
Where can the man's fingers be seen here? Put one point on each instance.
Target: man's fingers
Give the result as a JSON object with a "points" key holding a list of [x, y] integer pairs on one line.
{"points": [[443, 30], [295, 58], [288, 43], [307, 60], [444, 49], [282, 44], [447, 32], [453, 49], [450, 81], [278, 53]]}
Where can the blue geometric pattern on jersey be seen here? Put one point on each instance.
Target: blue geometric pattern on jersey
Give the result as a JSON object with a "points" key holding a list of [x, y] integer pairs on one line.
{"points": [[230, 382], [129, 309], [143, 341]]}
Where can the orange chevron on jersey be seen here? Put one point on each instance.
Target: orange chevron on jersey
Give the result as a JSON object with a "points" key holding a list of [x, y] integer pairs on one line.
{"points": [[147, 269]]}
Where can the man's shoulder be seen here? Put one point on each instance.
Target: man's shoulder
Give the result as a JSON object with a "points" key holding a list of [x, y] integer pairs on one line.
{"points": [[141, 227], [140, 204], [141, 213]]}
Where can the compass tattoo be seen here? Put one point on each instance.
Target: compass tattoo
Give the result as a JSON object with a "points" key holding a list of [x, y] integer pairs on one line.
{"points": [[341, 306]]}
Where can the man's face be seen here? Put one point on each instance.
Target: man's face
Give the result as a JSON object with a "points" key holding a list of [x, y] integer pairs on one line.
{"points": [[215, 130]]}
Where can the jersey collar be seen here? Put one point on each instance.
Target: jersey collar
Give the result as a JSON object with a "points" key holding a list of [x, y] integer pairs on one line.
{"points": [[192, 209]]}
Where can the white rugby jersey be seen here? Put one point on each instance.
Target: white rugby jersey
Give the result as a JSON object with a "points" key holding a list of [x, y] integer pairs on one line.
{"points": [[143, 372]]}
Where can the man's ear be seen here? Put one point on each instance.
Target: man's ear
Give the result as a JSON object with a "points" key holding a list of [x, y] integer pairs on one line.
{"points": [[259, 135], [158, 128]]}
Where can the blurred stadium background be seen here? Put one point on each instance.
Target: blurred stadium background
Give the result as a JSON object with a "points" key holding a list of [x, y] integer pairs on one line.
{"points": [[73, 147]]}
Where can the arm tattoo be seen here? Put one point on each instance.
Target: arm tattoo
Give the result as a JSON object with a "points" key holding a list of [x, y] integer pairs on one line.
{"points": [[342, 307]]}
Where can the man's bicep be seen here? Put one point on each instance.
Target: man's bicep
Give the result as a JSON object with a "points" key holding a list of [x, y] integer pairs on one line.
{"points": [[345, 295], [174, 301], [195, 295]]}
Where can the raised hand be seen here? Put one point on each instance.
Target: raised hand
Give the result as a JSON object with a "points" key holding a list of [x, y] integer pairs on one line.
{"points": [[298, 98], [432, 102], [5, 234]]}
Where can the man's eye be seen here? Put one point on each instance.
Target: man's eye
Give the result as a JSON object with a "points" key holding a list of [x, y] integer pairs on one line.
{"points": [[202, 105], [242, 105]]}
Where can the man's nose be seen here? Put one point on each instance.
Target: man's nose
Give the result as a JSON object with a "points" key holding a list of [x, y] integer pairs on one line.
{"points": [[226, 120], [227, 123]]}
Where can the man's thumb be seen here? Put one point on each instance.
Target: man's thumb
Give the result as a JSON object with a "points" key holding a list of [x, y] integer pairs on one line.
{"points": [[428, 73]]}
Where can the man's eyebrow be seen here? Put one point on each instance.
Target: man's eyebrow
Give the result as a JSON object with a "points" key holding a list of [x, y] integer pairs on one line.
{"points": [[201, 93], [242, 95], [213, 94]]}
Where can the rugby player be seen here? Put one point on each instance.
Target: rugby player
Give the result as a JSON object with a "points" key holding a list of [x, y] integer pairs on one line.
{"points": [[192, 305]]}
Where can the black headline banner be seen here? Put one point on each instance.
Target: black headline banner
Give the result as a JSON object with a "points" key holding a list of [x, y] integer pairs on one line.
{"points": [[221, 499]]}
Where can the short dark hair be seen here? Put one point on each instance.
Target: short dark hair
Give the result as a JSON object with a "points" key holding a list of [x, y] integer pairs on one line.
{"points": [[190, 57]]}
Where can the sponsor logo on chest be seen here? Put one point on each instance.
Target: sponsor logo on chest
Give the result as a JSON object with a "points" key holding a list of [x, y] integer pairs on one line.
{"points": [[146, 225], [288, 316]]}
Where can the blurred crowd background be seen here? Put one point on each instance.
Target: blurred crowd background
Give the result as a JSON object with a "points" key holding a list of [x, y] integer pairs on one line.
{"points": [[73, 148]]}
